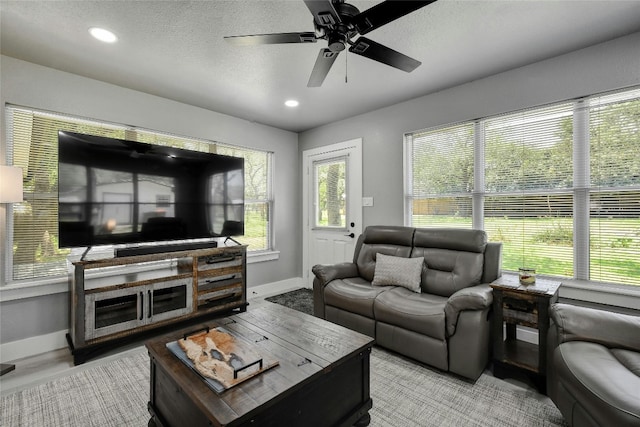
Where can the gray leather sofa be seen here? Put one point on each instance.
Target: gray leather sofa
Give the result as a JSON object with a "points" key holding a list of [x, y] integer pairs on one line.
{"points": [[446, 323], [594, 366]]}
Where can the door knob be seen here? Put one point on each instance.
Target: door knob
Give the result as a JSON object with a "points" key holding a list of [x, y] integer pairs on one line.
{"points": [[350, 235]]}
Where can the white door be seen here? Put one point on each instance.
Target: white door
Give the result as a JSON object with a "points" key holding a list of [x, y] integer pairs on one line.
{"points": [[332, 204]]}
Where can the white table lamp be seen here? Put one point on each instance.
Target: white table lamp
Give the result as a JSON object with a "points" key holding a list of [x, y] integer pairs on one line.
{"points": [[10, 192], [10, 184]]}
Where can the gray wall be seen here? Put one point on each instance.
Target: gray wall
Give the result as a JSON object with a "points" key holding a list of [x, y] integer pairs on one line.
{"points": [[30, 85], [604, 67]]}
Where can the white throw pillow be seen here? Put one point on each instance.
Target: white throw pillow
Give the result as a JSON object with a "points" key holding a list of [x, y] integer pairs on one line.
{"points": [[398, 271]]}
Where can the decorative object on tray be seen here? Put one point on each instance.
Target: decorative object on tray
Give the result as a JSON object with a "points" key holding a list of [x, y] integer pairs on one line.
{"points": [[221, 358], [527, 276]]}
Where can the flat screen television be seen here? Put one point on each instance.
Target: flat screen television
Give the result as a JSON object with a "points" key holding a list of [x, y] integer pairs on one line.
{"points": [[119, 192]]}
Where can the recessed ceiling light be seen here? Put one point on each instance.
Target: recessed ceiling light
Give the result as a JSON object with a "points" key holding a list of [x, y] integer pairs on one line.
{"points": [[291, 103], [103, 35]]}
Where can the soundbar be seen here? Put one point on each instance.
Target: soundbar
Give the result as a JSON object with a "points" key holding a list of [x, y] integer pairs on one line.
{"points": [[158, 249]]}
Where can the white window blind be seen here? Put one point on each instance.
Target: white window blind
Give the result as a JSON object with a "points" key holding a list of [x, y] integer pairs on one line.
{"points": [[528, 195], [258, 195], [33, 227], [440, 164], [614, 196], [33, 144]]}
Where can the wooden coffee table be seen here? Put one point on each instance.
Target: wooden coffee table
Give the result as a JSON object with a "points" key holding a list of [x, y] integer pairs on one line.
{"points": [[322, 378]]}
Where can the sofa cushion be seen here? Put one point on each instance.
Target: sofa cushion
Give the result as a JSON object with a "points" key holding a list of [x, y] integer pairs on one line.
{"points": [[388, 235], [454, 258], [448, 271], [353, 294], [398, 271], [422, 313], [596, 378], [629, 359], [456, 239], [388, 240]]}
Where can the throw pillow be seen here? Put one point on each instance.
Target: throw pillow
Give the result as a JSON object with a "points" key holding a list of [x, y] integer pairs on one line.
{"points": [[398, 271]]}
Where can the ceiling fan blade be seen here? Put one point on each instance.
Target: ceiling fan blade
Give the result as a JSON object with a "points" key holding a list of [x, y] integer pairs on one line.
{"points": [[323, 12], [385, 12], [277, 38], [372, 50], [323, 64]]}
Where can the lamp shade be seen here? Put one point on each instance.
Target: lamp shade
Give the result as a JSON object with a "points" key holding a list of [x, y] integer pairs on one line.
{"points": [[10, 184]]}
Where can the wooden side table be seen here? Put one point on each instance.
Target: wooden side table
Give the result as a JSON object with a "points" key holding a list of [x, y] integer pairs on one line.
{"points": [[515, 304]]}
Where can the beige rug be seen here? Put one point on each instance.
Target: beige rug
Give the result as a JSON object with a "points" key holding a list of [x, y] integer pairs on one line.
{"points": [[404, 394], [408, 394]]}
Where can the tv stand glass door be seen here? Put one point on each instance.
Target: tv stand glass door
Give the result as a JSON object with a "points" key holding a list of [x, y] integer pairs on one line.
{"points": [[136, 305]]}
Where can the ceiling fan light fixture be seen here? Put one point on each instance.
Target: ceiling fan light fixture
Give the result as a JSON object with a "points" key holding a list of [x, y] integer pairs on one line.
{"points": [[291, 103], [336, 42], [339, 23], [103, 35]]}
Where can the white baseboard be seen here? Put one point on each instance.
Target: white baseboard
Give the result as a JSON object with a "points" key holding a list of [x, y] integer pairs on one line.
{"points": [[32, 346], [275, 288], [525, 334]]}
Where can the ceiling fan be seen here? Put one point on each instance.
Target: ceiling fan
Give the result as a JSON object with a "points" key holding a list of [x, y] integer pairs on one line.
{"points": [[338, 23]]}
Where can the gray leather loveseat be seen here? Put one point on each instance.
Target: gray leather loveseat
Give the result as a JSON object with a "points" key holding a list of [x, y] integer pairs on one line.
{"points": [[594, 366], [440, 317]]}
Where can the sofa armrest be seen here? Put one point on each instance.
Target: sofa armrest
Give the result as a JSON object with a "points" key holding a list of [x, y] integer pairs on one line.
{"points": [[325, 274], [492, 262], [477, 297], [613, 330]]}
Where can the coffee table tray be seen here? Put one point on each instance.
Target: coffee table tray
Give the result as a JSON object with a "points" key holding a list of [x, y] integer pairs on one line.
{"points": [[226, 358]]}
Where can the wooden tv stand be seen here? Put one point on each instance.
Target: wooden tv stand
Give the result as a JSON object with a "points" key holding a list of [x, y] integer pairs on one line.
{"points": [[115, 300]]}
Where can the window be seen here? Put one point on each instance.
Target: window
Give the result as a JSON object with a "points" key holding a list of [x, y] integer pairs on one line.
{"points": [[614, 187], [559, 185], [330, 179], [258, 200], [33, 224], [441, 171], [528, 195]]}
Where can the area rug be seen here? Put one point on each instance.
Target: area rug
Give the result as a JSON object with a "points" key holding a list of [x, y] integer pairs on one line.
{"points": [[404, 394], [416, 395], [299, 299], [409, 394], [113, 394]]}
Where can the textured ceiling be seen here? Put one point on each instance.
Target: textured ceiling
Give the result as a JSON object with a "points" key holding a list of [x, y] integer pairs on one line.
{"points": [[175, 49]]}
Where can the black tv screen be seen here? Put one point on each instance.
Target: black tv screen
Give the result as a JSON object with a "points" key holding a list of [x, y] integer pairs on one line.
{"points": [[114, 191]]}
